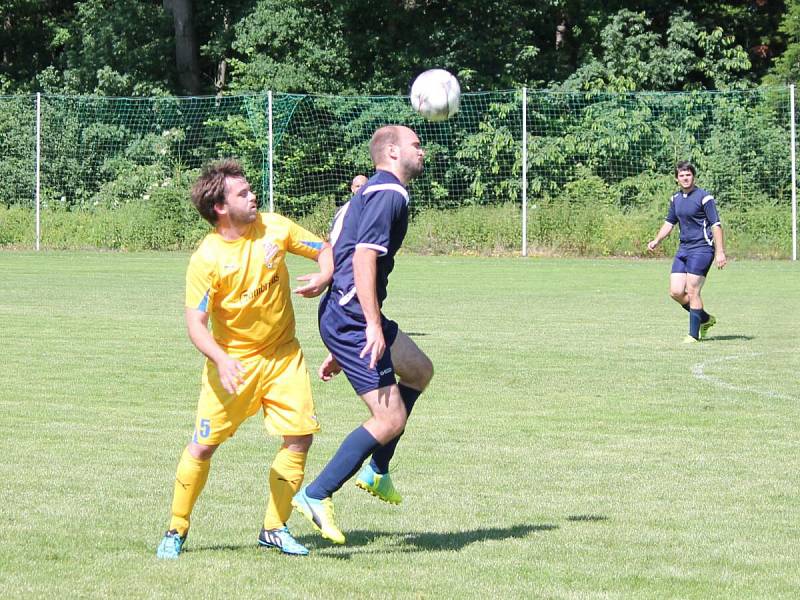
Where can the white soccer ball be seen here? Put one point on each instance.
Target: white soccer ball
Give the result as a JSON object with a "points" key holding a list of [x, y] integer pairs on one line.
{"points": [[435, 94]]}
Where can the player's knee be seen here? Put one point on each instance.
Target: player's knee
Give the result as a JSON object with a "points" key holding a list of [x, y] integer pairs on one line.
{"points": [[676, 294], [201, 451], [397, 423], [393, 422], [426, 373], [298, 443], [420, 375]]}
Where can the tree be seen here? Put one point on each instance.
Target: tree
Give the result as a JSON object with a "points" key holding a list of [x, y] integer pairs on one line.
{"points": [[291, 46], [786, 68], [186, 50], [28, 40], [116, 50], [635, 57]]}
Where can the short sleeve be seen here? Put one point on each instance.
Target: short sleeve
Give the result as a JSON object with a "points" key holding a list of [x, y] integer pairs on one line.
{"points": [[302, 242], [375, 227], [710, 209], [200, 278], [672, 216]]}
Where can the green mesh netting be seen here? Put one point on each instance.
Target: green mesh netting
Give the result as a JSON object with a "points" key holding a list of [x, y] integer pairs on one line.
{"points": [[614, 148]]}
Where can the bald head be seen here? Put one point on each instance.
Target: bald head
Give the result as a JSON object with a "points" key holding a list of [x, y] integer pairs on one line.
{"points": [[397, 149], [357, 183]]}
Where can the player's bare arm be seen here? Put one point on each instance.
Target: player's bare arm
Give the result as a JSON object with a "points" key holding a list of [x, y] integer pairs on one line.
{"points": [[719, 246], [230, 370], [318, 282], [365, 274], [665, 230]]}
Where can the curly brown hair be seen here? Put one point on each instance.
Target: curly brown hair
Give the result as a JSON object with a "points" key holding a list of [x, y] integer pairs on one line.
{"points": [[209, 189]]}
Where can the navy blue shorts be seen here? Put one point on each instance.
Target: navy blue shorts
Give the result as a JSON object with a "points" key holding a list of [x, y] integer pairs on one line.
{"points": [[696, 262], [345, 335]]}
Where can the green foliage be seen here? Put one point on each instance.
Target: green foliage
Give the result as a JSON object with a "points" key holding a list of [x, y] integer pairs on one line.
{"points": [[467, 230], [290, 46], [17, 226], [574, 225], [611, 153], [636, 57], [114, 51], [17, 148], [786, 68], [128, 47]]}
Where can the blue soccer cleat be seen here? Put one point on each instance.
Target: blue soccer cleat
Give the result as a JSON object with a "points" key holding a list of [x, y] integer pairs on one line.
{"points": [[283, 540], [171, 545], [378, 484], [320, 513]]}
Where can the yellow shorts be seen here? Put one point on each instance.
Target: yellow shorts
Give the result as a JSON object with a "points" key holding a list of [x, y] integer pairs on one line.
{"points": [[277, 382]]}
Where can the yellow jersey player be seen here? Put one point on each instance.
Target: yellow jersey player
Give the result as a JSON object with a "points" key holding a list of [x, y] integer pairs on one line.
{"points": [[238, 282]]}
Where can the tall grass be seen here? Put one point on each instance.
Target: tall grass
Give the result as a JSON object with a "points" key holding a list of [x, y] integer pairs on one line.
{"points": [[553, 229]]}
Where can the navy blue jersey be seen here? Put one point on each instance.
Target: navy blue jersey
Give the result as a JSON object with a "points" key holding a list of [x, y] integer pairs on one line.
{"points": [[375, 217], [696, 213]]}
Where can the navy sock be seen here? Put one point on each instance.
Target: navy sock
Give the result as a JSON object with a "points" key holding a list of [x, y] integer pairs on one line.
{"points": [[695, 319], [348, 459], [382, 456], [686, 307], [704, 316]]}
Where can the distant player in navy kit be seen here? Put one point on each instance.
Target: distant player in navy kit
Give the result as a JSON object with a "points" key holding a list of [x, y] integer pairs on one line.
{"points": [[367, 232], [701, 243]]}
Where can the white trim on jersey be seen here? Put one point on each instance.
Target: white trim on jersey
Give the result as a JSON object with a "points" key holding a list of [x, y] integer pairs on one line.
{"points": [[338, 222], [380, 249], [386, 186], [706, 199], [710, 242]]}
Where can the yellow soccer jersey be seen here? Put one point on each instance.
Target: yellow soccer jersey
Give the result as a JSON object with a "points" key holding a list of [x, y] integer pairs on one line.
{"points": [[244, 285]]}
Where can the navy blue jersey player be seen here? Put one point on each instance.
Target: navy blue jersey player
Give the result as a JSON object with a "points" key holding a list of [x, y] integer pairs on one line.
{"points": [[372, 351], [701, 243]]}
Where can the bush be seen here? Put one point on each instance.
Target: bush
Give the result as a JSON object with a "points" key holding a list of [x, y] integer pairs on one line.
{"points": [[168, 221], [467, 230], [17, 226]]}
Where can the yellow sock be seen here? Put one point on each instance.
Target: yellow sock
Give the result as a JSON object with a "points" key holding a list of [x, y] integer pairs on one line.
{"points": [[285, 478], [189, 482]]}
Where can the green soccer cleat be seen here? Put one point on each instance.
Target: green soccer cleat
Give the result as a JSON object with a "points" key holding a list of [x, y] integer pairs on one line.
{"points": [[690, 340], [283, 540], [320, 513], [171, 545], [704, 327], [377, 484]]}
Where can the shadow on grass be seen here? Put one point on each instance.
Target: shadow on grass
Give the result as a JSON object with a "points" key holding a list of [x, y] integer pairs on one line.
{"points": [[587, 518], [726, 338], [363, 542], [387, 542]]}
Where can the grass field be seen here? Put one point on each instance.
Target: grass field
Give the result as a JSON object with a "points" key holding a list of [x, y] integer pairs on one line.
{"points": [[569, 446]]}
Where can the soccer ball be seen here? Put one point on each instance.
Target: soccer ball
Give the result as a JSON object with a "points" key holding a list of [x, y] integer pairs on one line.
{"points": [[435, 94]]}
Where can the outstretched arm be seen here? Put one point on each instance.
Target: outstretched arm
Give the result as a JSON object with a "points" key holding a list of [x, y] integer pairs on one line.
{"points": [[318, 282]]}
